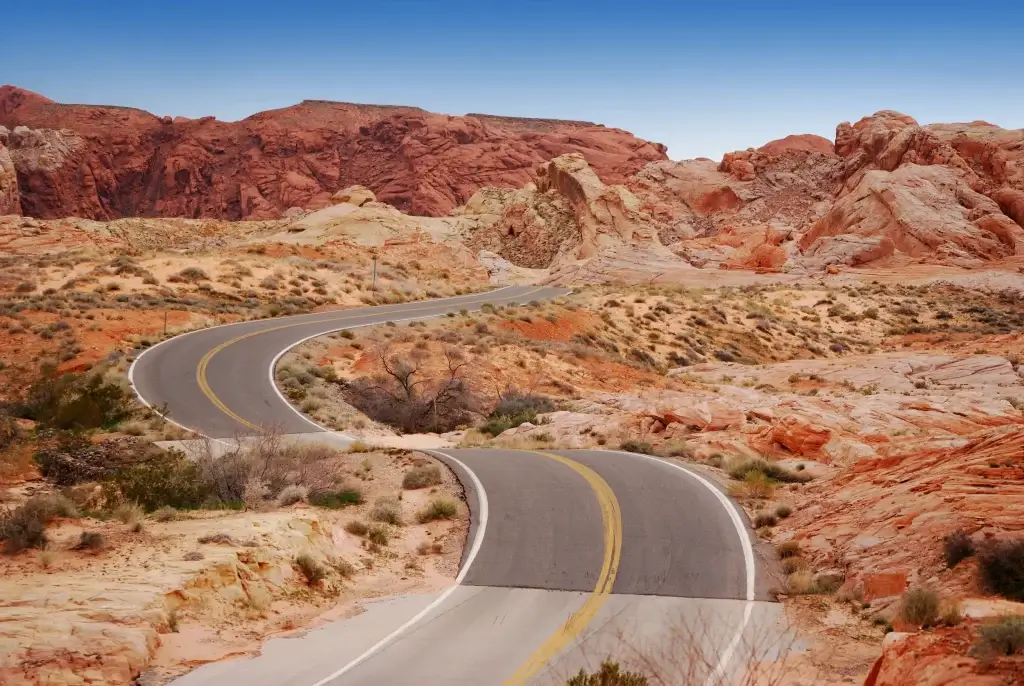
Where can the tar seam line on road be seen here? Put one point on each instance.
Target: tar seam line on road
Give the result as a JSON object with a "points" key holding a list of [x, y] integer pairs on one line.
{"points": [[578, 621], [748, 560]]}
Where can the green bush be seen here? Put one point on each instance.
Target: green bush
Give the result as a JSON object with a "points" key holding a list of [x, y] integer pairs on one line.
{"points": [[1004, 637], [72, 401], [610, 674], [515, 408], [421, 477], [438, 508], [772, 471], [1001, 566], [162, 479], [336, 500], [634, 446]]}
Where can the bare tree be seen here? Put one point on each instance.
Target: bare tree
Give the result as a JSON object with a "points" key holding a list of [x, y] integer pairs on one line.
{"points": [[406, 396]]}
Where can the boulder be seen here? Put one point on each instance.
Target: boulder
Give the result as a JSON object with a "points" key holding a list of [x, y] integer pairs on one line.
{"points": [[354, 195]]}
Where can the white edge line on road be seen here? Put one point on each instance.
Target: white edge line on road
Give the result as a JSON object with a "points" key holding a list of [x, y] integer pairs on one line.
{"points": [[473, 550], [135, 389], [718, 673]]}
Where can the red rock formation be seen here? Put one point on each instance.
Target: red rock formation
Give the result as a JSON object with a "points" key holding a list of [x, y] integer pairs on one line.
{"points": [[10, 198], [116, 161], [805, 142]]}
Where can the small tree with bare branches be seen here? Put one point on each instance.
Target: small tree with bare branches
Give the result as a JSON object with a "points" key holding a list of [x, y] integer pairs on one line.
{"points": [[407, 396]]}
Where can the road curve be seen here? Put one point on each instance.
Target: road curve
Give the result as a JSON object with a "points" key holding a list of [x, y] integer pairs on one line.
{"points": [[567, 550], [218, 381]]}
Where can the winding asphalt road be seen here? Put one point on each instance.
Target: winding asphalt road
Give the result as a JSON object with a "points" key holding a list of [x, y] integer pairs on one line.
{"points": [[573, 556]]}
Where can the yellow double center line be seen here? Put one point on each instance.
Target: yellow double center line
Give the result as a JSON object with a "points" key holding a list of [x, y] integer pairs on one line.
{"points": [[573, 627], [204, 385]]}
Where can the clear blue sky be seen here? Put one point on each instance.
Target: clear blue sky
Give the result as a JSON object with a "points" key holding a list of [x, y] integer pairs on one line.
{"points": [[702, 77]]}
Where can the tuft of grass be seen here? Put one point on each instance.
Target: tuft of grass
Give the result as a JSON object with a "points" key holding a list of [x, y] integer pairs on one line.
{"points": [[421, 477], [311, 569], [772, 471], [631, 445], [131, 514], [788, 549], [765, 519], [438, 508], [920, 607], [357, 528], [172, 621], [957, 547], [793, 564], [166, 514], [783, 511], [387, 510], [801, 582], [1002, 637], [1001, 567]]}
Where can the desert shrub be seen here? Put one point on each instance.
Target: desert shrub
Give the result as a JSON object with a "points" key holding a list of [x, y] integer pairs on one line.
{"points": [[191, 275], [1002, 637], [166, 514], [783, 511], [25, 526], [788, 549], [66, 401], [311, 569], [957, 547], [772, 471], [292, 494], [268, 465], [344, 568], [765, 519], [421, 477], [632, 445], [91, 540], [514, 408], [408, 398], [920, 607], [387, 510], [1001, 566], [8, 431], [610, 674], [73, 459], [438, 508], [378, 534], [336, 500], [131, 514], [677, 449], [157, 480], [357, 528]]}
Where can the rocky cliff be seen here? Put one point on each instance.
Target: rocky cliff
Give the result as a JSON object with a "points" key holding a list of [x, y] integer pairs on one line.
{"points": [[104, 162]]}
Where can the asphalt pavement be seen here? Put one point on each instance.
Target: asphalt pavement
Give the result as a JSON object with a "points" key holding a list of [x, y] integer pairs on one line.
{"points": [[573, 556]]}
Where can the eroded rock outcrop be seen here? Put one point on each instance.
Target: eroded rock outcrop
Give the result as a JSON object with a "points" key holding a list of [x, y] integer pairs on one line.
{"points": [[10, 197], [564, 221]]}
